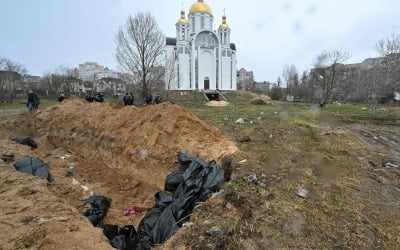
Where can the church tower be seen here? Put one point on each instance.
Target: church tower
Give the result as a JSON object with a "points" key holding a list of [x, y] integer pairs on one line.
{"points": [[182, 28], [224, 33]]}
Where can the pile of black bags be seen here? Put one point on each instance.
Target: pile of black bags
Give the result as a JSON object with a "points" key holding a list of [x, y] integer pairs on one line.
{"points": [[194, 182]]}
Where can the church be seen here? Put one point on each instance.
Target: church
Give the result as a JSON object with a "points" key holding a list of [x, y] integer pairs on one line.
{"points": [[200, 57]]}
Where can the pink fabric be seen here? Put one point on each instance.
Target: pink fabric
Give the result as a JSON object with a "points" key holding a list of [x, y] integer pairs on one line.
{"points": [[128, 212]]}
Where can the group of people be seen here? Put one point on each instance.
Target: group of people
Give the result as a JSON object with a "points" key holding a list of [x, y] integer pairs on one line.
{"points": [[128, 99], [33, 101], [149, 99], [98, 97]]}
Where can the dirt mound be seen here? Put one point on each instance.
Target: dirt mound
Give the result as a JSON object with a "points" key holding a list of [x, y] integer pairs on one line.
{"points": [[217, 103], [121, 153], [258, 102], [261, 96], [28, 206]]}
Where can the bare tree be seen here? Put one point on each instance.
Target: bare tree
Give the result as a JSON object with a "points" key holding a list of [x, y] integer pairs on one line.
{"points": [[389, 48], [140, 46], [279, 82], [326, 72], [10, 78], [61, 80], [171, 72], [288, 74]]}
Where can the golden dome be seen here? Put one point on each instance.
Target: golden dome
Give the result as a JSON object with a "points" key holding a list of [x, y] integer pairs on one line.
{"points": [[200, 6], [182, 21], [224, 26]]}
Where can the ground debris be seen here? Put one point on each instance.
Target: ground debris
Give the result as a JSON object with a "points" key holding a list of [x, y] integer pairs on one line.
{"points": [[391, 165], [8, 158], [24, 140], [240, 121], [214, 231], [303, 193], [45, 220]]}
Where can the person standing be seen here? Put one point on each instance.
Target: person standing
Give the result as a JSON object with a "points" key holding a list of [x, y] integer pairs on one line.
{"points": [[149, 99], [157, 100], [36, 101], [131, 99], [31, 101], [61, 97], [126, 99]]}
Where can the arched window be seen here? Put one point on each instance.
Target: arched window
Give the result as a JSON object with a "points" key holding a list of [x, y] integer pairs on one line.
{"points": [[207, 40]]}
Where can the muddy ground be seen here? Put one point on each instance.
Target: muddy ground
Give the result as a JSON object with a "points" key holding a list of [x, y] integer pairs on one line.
{"points": [[346, 157]]}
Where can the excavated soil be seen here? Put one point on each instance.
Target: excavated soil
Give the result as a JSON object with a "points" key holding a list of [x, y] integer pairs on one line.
{"points": [[121, 153], [217, 103]]}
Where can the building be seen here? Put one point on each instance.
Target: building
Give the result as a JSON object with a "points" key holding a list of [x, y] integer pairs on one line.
{"points": [[200, 58], [245, 80], [90, 71], [262, 87]]}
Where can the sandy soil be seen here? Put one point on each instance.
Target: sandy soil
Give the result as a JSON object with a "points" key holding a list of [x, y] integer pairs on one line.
{"points": [[217, 103], [121, 153]]}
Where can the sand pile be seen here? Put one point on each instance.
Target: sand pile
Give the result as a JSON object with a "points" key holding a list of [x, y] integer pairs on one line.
{"points": [[217, 103], [152, 132], [123, 153], [36, 215]]}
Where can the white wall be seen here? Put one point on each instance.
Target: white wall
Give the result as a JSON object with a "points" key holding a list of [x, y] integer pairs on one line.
{"points": [[226, 73], [184, 71], [206, 68]]}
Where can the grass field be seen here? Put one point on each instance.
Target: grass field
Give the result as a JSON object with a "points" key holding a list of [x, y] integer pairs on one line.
{"points": [[289, 146]]}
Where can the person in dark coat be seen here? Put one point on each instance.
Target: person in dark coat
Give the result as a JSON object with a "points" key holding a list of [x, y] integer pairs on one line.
{"points": [[131, 99], [89, 97], [36, 101], [61, 97], [157, 100], [126, 99], [149, 99], [98, 97], [31, 101]]}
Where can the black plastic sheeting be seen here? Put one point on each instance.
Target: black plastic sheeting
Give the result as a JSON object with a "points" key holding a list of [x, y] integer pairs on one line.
{"points": [[24, 140], [194, 182], [122, 238], [34, 167], [98, 206], [7, 158]]}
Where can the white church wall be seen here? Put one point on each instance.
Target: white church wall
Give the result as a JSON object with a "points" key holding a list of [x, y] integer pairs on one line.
{"points": [[206, 66], [234, 77], [226, 73], [184, 71]]}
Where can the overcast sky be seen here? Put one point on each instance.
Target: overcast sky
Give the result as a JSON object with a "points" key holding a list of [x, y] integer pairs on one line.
{"points": [[42, 34]]}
